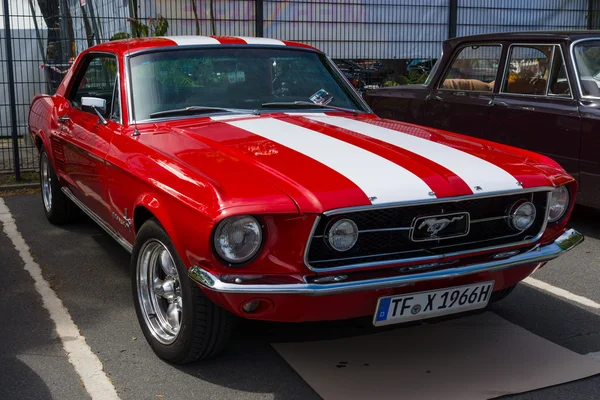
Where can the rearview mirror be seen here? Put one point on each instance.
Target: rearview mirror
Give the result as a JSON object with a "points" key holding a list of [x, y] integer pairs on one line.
{"points": [[97, 104]]}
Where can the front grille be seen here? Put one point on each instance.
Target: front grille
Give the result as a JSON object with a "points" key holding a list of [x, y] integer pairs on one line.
{"points": [[385, 234]]}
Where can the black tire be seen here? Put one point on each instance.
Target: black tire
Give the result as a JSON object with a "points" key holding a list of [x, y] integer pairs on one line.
{"points": [[204, 328], [58, 207], [501, 294]]}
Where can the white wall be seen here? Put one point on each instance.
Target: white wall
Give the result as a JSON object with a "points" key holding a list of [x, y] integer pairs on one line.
{"points": [[29, 77]]}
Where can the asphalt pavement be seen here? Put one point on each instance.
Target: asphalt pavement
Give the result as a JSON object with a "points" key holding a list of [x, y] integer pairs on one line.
{"points": [[90, 273]]}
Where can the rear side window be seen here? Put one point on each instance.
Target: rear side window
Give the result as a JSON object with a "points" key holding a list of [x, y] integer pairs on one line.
{"points": [[473, 69], [529, 68]]}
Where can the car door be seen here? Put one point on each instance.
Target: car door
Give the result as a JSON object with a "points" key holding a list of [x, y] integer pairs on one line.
{"points": [[587, 80], [535, 109], [86, 138], [460, 102]]}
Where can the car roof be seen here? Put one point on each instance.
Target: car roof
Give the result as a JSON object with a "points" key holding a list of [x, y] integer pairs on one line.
{"points": [[129, 46], [569, 36]]}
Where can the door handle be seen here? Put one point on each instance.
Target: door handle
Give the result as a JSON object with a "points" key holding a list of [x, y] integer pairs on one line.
{"points": [[497, 103], [460, 94], [64, 118], [430, 97]]}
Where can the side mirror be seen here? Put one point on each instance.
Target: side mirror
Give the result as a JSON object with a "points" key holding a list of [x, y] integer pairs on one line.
{"points": [[97, 104]]}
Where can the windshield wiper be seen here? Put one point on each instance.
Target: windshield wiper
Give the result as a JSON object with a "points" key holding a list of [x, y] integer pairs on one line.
{"points": [[199, 110], [307, 105]]}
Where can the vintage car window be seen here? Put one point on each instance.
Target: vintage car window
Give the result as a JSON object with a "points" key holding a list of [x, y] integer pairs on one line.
{"points": [[473, 69], [587, 61], [96, 80], [240, 78], [528, 70], [559, 81]]}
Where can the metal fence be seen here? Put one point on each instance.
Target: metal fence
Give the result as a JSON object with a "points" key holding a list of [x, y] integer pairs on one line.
{"points": [[380, 38]]}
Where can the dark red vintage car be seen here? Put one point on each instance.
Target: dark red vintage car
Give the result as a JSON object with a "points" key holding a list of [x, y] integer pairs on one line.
{"points": [[252, 166], [535, 90]]}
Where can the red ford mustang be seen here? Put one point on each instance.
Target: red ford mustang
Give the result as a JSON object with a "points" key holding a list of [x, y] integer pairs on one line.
{"points": [[254, 168]]}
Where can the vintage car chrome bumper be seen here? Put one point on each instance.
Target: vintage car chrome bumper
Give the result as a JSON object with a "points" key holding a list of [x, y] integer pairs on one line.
{"points": [[536, 255]]}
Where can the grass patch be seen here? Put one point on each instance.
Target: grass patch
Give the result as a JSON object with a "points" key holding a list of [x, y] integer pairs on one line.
{"points": [[26, 177], [15, 192]]}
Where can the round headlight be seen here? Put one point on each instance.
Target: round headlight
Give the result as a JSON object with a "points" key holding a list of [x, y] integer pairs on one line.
{"points": [[522, 215], [343, 234], [238, 239], [559, 202]]}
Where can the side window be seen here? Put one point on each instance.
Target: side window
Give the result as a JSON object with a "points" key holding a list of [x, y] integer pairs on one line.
{"points": [[528, 70], [97, 80], [474, 69], [559, 82]]}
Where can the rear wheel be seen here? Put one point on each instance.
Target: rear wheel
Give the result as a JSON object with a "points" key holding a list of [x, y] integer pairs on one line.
{"points": [[179, 322], [57, 206]]}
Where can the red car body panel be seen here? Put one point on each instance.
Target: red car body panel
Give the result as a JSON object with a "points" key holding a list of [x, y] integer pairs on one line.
{"points": [[191, 173]]}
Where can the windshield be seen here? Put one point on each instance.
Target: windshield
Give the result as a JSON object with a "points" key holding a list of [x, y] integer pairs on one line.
{"points": [[234, 78], [587, 60]]}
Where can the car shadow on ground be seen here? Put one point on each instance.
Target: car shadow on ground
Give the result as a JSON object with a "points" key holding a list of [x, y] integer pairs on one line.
{"points": [[258, 368]]}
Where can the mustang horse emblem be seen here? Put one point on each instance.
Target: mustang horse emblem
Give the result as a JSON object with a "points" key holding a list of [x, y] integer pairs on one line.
{"points": [[435, 225]]}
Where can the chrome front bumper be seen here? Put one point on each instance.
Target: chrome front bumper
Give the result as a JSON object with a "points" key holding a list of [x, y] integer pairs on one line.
{"points": [[536, 255]]}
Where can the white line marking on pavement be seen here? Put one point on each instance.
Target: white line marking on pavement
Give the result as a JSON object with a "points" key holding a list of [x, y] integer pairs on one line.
{"points": [[595, 356], [86, 364], [561, 292]]}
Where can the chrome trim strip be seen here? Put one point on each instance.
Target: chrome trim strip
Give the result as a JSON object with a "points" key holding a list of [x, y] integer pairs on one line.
{"points": [[475, 221], [121, 240], [408, 228], [367, 256], [400, 228], [126, 68], [437, 200], [539, 254], [433, 257], [550, 69], [574, 65]]}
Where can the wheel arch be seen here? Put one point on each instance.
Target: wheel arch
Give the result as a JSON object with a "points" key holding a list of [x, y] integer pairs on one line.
{"points": [[150, 206]]}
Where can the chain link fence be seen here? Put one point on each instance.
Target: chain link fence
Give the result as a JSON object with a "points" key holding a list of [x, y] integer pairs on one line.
{"points": [[372, 41]]}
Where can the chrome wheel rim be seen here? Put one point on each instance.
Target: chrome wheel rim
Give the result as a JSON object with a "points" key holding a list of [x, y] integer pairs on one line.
{"points": [[46, 180], [159, 291]]}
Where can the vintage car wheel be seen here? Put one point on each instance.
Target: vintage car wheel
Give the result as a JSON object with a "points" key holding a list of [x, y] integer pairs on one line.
{"points": [[57, 206], [178, 320]]}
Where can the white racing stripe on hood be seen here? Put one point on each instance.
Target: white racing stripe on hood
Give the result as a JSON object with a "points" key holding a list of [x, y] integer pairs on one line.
{"points": [[380, 179], [475, 171]]}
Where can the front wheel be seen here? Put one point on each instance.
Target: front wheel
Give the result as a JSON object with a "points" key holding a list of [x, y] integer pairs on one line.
{"points": [[179, 322]]}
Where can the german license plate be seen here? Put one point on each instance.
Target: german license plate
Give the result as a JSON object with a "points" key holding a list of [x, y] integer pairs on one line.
{"points": [[422, 305]]}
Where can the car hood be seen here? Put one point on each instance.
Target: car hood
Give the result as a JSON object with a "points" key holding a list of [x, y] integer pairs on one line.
{"points": [[335, 160]]}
